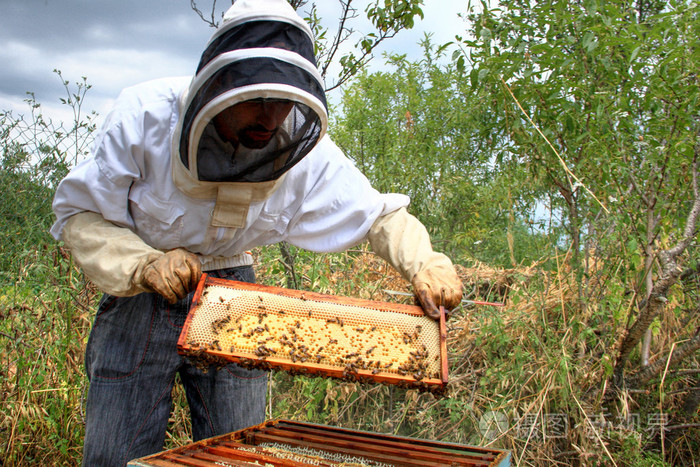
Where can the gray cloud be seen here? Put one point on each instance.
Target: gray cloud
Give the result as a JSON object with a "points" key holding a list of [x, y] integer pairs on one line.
{"points": [[120, 43], [113, 44]]}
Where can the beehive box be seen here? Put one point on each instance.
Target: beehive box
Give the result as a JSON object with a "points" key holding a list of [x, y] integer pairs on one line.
{"points": [[275, 328], [289, 443]]}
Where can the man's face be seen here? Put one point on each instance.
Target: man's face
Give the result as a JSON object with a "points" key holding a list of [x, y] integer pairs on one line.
{"points": [[252, 123]]}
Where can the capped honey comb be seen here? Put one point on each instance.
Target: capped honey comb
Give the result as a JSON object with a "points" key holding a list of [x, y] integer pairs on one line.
{"points": [[275, 328]]}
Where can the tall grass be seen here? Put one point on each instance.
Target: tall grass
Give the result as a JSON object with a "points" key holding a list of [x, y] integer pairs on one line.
{"points": [[523, 377]]}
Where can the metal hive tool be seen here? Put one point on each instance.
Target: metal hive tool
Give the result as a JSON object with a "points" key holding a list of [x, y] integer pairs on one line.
{"points": [[289, 443], [274, 328]]}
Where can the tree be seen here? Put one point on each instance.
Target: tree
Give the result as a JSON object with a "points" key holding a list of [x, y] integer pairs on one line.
{"points": [[599, 101], [417, 130]]}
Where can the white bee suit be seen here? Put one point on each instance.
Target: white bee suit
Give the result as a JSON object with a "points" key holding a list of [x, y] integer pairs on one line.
{"points": [[155, 177], [322, 204]]}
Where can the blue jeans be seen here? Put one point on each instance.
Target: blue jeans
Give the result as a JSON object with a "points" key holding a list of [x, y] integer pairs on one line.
{"points": [[131, 361]]}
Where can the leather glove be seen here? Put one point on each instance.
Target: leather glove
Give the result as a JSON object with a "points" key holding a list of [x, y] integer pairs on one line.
{"points": [[437, 286], [173, 275]]}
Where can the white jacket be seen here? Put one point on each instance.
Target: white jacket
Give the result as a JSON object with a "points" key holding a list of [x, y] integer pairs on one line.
{"points": [[324, 203]]}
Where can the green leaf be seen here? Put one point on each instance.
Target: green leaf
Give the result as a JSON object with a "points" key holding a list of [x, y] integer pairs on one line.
{"points": [[635, 53]]}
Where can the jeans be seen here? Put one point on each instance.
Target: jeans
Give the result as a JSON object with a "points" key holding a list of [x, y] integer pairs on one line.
{"points": [[131, 361]]}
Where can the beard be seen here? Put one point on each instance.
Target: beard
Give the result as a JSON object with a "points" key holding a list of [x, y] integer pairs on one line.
{"points": [[255, 136]]}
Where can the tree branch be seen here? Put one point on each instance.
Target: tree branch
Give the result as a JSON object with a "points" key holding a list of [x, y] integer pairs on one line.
{"points": [[670, 272], [211, 21], [348, 13], [655, 368]]}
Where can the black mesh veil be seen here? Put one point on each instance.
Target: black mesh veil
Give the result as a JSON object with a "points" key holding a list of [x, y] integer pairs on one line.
{"points": [[254, 61], [220, 161]]}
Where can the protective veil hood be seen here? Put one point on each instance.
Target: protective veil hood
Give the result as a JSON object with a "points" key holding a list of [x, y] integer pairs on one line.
{"points": [[263, 51]]}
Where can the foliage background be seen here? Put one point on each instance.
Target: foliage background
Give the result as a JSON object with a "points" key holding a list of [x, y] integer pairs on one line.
{"points": [[552, 152]]}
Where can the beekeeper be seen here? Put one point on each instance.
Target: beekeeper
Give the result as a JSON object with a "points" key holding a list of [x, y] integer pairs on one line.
{"points": [[188, 175]]}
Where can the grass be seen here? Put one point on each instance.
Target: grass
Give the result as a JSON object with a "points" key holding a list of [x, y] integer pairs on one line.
{"points": [[527, 377]]}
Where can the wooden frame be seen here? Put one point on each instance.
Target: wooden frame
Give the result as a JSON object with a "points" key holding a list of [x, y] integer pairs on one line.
{"points": [[433, 384], [252, 446]]}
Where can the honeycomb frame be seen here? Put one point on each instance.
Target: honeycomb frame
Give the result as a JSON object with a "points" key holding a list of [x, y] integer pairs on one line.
{"points": [[259, 326]]}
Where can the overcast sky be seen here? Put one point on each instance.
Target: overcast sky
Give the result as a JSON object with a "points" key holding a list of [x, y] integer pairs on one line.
{"points": [[120, 43]]}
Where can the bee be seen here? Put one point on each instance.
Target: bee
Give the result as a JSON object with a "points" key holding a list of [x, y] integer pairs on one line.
{"points": [[370, 350], [195, 353]]}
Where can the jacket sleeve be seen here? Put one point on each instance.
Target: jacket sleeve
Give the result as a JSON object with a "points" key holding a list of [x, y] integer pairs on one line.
{"points": [[402, 241], [101, 183], [112, 257], [91, 205]]}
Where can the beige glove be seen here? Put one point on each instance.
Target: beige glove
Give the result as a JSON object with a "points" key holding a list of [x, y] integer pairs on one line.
{"points": [[404, 243], [173, 275], [438, 286], [116, 259]]}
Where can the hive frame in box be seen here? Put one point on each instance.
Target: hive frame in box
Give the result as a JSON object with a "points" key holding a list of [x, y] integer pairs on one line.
{"points": [[216, 294], [290, 443]]}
